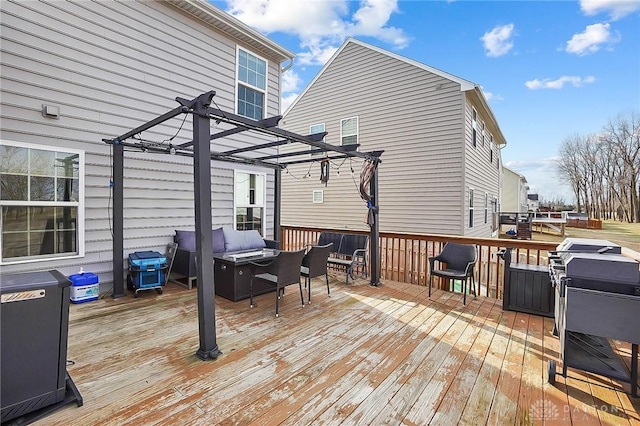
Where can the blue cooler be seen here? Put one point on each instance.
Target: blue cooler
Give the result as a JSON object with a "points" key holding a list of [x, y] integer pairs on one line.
{"points": [[146, 271], [84, 287]]}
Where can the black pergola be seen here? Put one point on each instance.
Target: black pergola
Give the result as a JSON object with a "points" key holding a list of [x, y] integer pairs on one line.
{"points": [[199, 149]]}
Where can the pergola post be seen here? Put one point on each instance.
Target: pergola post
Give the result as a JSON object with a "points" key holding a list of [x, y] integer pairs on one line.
{"points": [[277, 198], [374, 237], [118, 219], [203, 224]]}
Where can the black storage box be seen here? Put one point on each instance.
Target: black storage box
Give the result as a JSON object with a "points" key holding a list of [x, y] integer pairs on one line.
{"points": [[527, 288], [33, 351]]}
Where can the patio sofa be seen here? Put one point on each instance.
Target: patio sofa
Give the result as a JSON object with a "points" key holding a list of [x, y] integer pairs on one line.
{"points": [[225, 240]]}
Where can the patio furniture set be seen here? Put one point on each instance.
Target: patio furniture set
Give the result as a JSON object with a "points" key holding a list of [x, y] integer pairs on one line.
{"points": [[246, 265]]}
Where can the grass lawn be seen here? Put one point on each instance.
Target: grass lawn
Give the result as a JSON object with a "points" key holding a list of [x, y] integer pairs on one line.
{"points": [[625, 234]]}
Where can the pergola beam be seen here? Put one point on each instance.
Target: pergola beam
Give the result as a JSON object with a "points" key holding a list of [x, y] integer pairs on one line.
{"points": [[255, 147], [152, 123]]}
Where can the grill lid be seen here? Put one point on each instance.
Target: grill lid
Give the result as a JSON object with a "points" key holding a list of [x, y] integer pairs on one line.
{"points": [[604, 267]]}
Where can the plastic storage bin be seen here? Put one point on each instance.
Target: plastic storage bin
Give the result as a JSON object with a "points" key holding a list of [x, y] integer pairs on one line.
{"points": [[146, 271], [84, 287]]}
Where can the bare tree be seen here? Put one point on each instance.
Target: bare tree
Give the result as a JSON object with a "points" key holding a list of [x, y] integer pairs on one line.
{"points": [[603, 169], [623, 135]]}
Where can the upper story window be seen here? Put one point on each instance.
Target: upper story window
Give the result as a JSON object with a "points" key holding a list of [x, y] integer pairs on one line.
{"points": [[474, 126], [42, 200], [251, 85], [482, 132], [316, 128], [349, 131], [490, 148], [249, 200]]}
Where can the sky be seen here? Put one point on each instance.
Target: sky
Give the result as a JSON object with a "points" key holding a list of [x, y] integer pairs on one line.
{"points": [[549, 69]]}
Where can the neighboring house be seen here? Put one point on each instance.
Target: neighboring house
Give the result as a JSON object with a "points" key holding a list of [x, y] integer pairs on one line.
{"points": [[533, 204], [76, 72], [514, 191], [440, 172]]}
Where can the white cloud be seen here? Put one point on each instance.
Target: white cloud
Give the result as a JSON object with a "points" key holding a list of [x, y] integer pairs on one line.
{"points": [[290, 81], [321, 25], [497, 42], [287, 100], [542, 177], [559, 83], [591, 39], [616, 9], [491, 96]]}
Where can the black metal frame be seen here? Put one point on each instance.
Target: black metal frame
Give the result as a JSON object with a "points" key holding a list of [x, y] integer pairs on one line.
{"points": [[202, 156]]}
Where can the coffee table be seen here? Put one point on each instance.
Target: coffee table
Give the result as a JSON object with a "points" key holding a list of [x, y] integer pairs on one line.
{"points": [[233, 272]]}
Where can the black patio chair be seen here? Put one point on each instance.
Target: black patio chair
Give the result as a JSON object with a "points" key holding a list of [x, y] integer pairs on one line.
{"points": [[282, 271], [460, 260], [314, 264]]}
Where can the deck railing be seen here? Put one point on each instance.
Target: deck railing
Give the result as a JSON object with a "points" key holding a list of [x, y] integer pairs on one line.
{"points": [[404, 257]]}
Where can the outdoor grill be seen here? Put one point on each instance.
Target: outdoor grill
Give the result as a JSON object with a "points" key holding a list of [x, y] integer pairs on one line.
{"points": [[597, 298]]}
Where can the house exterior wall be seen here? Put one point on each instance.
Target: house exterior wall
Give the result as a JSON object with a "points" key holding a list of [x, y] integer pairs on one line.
{"points": [[110, 67], [514, 191], [482, 173], [422, 122]]}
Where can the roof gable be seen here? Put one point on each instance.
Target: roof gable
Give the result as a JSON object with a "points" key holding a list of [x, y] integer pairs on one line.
{"points": [[465, 85]]}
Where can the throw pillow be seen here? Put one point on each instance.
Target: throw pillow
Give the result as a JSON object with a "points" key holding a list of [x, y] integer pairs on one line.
{"points": [[186, 239], [242, 240], [218, 240]]}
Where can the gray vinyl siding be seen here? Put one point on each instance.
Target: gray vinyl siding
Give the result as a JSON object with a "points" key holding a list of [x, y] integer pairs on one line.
{"points": [[480, 174], [110, 67], [400, 111]]}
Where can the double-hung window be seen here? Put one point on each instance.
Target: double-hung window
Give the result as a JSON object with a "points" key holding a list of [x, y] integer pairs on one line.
{"points": [[486, 208], [251, 85], [470, 208], [490, 148], [42, 200], [349, 131], [474, 126], [316, 128], [249, 197]]}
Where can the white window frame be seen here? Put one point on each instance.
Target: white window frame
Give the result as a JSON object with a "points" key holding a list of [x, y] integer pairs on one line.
{"points": [[474, 126], [491, 147], [317, 196], [239, 82], [471, 208], [237, 205], [80, 205], [486, 208], [312, 131], [356, 134]]}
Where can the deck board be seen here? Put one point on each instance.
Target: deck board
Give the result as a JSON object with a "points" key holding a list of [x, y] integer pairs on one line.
{"points": [[363, 355]]}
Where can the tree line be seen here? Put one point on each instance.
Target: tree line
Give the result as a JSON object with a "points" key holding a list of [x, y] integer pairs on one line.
{"points": [[603, 169]]}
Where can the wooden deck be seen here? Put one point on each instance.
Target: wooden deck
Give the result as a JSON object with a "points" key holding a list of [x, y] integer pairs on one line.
{"points": [[364, 355]]}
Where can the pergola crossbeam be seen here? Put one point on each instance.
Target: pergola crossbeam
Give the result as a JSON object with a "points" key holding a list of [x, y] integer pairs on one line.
{"points": [[255, 147]]}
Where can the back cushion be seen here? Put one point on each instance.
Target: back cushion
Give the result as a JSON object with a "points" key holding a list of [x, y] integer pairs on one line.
{"points": [[187, 240], [242, 240]]}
